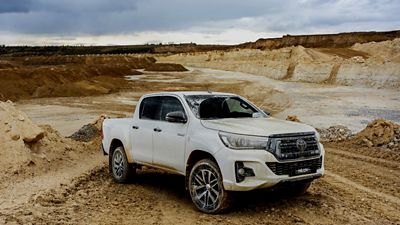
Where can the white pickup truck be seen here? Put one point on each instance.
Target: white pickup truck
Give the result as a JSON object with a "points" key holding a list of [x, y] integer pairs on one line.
{"points": [[220, 142]]}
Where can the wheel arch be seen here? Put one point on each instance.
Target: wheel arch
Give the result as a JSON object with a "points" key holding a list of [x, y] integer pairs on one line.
{"points": [[194, 157], [115, 143]]}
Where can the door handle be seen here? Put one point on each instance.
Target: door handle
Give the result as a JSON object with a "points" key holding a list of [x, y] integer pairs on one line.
{"points": [[157, 129], [135, 127]]}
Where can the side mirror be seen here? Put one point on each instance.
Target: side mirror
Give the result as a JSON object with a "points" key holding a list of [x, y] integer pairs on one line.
{"points": [[176, 117], [266, 112]]}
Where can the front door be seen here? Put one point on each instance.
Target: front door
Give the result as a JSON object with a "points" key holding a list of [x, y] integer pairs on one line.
{"points": [[169, 138], [143, 129]]}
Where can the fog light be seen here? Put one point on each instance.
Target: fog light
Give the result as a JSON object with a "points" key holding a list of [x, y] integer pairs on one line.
{"points": [[242, 172]]}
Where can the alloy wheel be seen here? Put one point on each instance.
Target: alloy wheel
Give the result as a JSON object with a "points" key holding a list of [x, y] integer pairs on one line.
{"points": [[205, 186]]}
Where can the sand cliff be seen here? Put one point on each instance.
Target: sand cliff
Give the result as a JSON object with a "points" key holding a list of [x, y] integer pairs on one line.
{"points": [[373, 64]]}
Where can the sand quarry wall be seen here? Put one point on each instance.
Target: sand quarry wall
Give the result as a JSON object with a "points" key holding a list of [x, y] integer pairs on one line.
{"points": [[340, 40], [63, 76], [374, 64]]}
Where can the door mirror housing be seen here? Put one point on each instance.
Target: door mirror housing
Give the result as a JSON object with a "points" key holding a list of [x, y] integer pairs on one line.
{"points": [[176, 117]]}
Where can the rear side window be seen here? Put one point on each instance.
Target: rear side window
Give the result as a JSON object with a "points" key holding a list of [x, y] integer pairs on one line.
{"points": [[150, 108], [170, 104]]}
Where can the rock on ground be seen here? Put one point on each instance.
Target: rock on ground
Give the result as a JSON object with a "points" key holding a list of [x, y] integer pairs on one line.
{"points": [[335, 133], [89, 131], [380, 132], [86, 133]]}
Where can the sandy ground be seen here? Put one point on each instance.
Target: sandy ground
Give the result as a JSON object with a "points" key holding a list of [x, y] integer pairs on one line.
{"points": [[361, 186], [316, 104], [367, 195]]}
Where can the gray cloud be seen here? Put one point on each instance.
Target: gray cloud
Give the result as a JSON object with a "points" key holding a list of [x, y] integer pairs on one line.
{"points": [[108, 17], [15, 6]]}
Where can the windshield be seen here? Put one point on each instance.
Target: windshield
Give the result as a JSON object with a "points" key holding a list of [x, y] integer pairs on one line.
{"points": [[219, 107]]}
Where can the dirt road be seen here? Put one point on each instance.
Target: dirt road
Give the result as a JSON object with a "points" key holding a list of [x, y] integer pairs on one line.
{"points": [[357, 189], [361, 185]]}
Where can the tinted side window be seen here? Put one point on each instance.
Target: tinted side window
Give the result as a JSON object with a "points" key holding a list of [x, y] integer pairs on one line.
{"points": [[150, 108], [170, 104]]}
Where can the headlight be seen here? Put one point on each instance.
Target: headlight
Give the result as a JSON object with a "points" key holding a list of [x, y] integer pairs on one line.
{"points": [[242, 142]]}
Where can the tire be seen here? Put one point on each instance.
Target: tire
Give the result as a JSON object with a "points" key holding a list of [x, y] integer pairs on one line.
{"points": [[206, 188], [120, 169]]}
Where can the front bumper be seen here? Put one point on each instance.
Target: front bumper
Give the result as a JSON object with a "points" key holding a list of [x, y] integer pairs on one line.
{"points": [[257, 160]]}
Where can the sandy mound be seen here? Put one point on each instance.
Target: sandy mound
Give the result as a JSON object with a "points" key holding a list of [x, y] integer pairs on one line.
{"points": [[293, 118], [386, 50], [17, 125], [380, 132], [27, 148]]}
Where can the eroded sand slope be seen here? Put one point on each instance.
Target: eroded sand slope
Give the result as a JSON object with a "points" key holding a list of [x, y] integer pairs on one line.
{"points": [[370, 64]]}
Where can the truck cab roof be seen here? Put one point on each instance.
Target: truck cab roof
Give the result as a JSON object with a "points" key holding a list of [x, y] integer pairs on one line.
{"points": [[187, 93]]}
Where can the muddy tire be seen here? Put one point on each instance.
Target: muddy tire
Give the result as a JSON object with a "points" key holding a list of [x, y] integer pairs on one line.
{"points": [[206, 188], [120, 169]]}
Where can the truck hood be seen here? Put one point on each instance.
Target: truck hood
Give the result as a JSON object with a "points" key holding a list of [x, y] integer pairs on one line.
{"points": [[256, 126]]}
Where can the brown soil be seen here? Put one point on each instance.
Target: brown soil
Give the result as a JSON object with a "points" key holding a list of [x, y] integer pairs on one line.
{"points": [[379, 132], [340, 40], [56, 76], [368, 195], [165, 67]]}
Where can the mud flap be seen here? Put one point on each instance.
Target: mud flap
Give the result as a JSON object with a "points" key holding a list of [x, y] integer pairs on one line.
{"points": [[102, 149]]}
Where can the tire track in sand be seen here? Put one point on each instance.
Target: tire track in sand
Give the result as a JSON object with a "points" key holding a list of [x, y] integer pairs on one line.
{"points": [[360, 187]]}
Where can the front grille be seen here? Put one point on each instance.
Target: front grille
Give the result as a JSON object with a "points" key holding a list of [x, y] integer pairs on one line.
{"points": [[295, 168], [287, 147]]}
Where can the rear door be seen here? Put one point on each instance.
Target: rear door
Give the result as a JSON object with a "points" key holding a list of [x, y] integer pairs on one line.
{"points": [[143, 129], [170, 138]]}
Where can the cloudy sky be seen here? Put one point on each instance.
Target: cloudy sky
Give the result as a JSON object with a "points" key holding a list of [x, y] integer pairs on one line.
{"points": [[108, 22]]}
